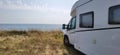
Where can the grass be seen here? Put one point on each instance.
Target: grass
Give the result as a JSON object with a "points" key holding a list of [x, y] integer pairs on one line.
{"points": [[33, 42]]}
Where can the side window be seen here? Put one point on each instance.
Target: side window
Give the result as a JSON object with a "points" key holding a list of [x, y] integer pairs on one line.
{"points": [[87, 20], [72, 24], [114, 15]]}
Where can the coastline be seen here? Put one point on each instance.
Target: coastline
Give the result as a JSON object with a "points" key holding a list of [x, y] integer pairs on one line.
{"points": [[28, 27]]}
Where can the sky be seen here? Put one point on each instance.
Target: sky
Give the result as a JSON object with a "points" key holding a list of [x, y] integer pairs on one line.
{"points": [[35, 11]]}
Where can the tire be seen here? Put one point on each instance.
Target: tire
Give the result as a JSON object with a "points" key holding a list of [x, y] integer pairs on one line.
{"points": [[66, 41]]}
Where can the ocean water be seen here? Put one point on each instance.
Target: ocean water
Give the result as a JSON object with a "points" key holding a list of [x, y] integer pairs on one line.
{"points": [[45, 27]]}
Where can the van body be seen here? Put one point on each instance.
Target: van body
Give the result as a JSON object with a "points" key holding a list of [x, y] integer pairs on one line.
{"points": [[94, 28]]}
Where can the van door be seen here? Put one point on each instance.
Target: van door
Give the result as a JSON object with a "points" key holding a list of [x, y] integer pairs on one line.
{"points": [[71, 29]]}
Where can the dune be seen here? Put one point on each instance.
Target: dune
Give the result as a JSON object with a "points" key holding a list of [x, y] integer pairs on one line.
{"points": [[33, 42]]}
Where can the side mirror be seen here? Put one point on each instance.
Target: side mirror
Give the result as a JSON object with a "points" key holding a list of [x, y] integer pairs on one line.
{"points": [[64, 26]]}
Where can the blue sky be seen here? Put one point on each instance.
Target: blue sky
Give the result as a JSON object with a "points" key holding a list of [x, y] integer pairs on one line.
{"points": [[35, 11]]}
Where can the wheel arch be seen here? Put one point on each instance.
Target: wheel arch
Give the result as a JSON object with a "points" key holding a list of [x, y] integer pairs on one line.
{"points": [[66, 36]]}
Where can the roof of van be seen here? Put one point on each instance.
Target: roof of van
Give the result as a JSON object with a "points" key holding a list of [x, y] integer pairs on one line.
{"points": [[79, 3]]}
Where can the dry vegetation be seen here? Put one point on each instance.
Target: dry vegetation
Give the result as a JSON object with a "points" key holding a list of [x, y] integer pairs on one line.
{"points": [[33, 43]]}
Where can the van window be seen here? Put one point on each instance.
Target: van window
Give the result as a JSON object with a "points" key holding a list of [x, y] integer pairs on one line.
{"points": [[72, 24], [114, 15], [87, 20]]}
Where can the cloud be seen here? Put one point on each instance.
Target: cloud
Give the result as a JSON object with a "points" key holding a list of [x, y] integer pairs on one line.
{"points": [[32, 5], [34, 11], [22, 4], [39, 5]]}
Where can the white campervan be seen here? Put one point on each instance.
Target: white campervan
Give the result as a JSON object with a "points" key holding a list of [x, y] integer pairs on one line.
{"points": [[95, 27]]}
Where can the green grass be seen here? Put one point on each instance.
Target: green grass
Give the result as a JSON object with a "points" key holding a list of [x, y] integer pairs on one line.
{"points": [[33, 42]]}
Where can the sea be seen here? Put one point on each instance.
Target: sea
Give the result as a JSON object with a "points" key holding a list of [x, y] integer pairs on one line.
{"points": [[44, 27]]}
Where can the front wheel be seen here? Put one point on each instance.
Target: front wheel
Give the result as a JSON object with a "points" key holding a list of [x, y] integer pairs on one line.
{"points": [[66, 41]]}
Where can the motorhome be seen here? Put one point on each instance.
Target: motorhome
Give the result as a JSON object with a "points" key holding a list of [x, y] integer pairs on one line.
{"points": [[94, 28]]}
